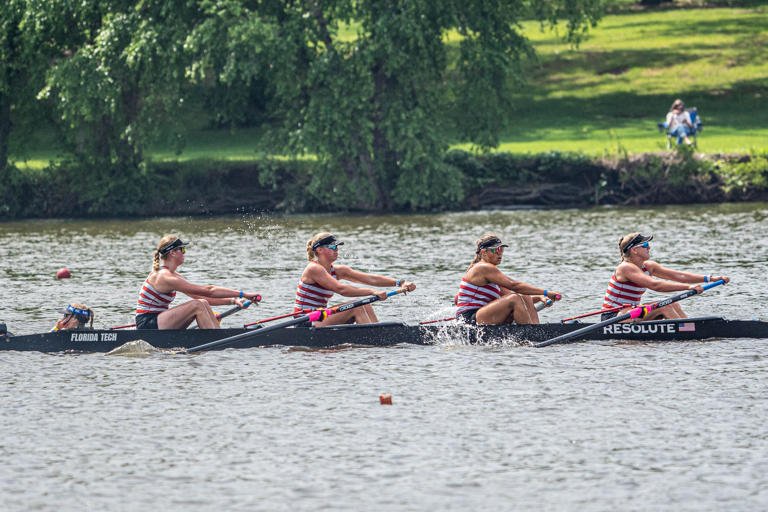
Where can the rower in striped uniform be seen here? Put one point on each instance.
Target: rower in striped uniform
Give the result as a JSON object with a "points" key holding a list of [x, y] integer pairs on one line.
{"points": [[487, 296], [635, 274], [321, 279], [153, 309]]}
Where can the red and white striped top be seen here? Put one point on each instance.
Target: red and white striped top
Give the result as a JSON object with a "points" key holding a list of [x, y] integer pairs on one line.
{"points": [[474, 297], [313, 296], [153, 301], [619, 294]]}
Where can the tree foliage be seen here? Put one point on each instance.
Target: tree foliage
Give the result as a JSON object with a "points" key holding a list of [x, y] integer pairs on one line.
{"points": [[374, 89]]}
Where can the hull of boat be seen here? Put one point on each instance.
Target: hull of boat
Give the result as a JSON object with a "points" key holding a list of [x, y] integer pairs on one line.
{"points": [[387, 334]]}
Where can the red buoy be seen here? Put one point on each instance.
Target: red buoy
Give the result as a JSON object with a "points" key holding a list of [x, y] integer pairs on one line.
{"points": [[385, 399], [63, 273]]}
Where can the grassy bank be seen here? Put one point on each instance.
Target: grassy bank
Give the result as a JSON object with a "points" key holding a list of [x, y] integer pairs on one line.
{"points": [[604, 97]]}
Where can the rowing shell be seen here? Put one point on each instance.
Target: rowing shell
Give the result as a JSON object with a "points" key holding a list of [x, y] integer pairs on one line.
{"points": [[387, 334]]}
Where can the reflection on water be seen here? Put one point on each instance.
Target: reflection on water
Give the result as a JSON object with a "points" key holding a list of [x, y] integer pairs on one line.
{"points": [[672, 426]]}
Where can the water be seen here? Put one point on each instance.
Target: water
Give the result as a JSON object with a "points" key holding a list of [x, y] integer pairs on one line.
{"points": [[674, 426]]}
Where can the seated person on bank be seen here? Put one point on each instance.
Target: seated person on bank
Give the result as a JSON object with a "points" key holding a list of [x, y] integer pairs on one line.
{"points": [[679, 122], [76, 316]]}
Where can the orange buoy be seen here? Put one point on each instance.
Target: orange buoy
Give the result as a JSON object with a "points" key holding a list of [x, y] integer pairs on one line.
{"points": [[63, 273], [385, 399]]}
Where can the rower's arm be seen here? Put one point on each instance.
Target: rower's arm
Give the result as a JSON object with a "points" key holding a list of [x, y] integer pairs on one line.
{"points": [[629, 272], [317, 274], [496, 276], [344, 272], [683, 277], [215, 295]]}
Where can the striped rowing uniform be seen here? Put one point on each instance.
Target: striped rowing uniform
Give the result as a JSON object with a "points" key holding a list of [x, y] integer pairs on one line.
{"points": [[474, 297], [310, 297], [618, 294], [152, 301]]}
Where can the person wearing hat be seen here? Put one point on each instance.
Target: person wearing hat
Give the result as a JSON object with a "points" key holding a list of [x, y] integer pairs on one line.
{"points": [[153, 309], [636, 273], [321, 279], [76, 316], [487, 296]]}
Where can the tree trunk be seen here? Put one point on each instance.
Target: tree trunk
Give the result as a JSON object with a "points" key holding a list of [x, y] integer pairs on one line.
{"points": [[5, 129]]}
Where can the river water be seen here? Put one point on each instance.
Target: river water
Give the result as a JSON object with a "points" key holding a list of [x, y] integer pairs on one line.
{"points": [[588, 426]]}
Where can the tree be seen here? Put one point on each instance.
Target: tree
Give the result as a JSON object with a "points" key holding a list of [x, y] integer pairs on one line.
{"points": [[21, 70], [118, 85], [376, 107]]}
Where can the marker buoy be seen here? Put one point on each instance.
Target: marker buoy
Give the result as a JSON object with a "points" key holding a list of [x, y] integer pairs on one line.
{"points": [[63, 273], [385, 399]]}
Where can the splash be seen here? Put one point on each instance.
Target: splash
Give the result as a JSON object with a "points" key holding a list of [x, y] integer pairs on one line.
{"points": [[136, 348]]}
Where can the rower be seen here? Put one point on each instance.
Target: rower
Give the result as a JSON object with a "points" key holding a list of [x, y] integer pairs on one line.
{"points": [[76, 316], [153, 309], [321, 279], [637, 272], [487, 296]]}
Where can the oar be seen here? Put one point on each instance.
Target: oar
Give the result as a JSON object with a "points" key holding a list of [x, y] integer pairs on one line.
{"points": [[637, 312], [607, 310], [314, 316], [539, 306], [228, 312], [259, 322], [123, 326]]}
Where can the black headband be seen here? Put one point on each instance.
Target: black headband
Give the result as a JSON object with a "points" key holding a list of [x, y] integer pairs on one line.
{"points": [[491, 242], [328, 240], [171, 246]]}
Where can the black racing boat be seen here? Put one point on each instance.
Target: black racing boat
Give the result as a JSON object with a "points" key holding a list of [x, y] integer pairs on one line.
{"points": [[386, 334]]}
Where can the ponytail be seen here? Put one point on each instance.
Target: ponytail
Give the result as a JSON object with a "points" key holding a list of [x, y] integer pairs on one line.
{"points": [[156, 261], [311, 255]]}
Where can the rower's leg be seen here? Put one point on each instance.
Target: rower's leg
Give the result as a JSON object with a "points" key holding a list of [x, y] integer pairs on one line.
{"points": [[531, 315], [497, 311], [365, 315], [669, 312], [181, 316], [342, 318]]}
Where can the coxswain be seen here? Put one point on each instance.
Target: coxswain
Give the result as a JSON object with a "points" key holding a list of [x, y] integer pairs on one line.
{"points": [[76, 316], [153, 310], [637, 273], [321, 279], [489, 297]]}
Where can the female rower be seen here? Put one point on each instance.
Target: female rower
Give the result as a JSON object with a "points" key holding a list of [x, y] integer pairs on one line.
{"points": [[320, 280], [487, 296], [76, 316], [157, 292], [636, 273]]}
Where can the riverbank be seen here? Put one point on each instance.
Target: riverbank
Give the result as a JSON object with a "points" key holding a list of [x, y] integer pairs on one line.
{"points": [[495, 180]]}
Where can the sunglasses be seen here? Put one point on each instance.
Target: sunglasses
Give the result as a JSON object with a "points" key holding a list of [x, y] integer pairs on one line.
{"points": [[496, 250], [644, 245], [331, 247], [182, 249]]}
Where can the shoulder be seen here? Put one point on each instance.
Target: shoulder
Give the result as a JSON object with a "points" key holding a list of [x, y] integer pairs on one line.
{"points": [[650, 266]]}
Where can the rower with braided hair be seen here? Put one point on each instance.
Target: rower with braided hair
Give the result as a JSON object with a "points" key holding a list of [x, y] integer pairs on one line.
{"points": [[487, 296], [153, 309]]}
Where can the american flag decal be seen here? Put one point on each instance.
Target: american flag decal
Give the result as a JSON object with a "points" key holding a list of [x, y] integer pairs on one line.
{"points": [[686, 327]]}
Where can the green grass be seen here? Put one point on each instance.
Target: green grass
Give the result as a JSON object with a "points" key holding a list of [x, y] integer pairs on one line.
{"points": [[604, 96], [613, 89]]}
